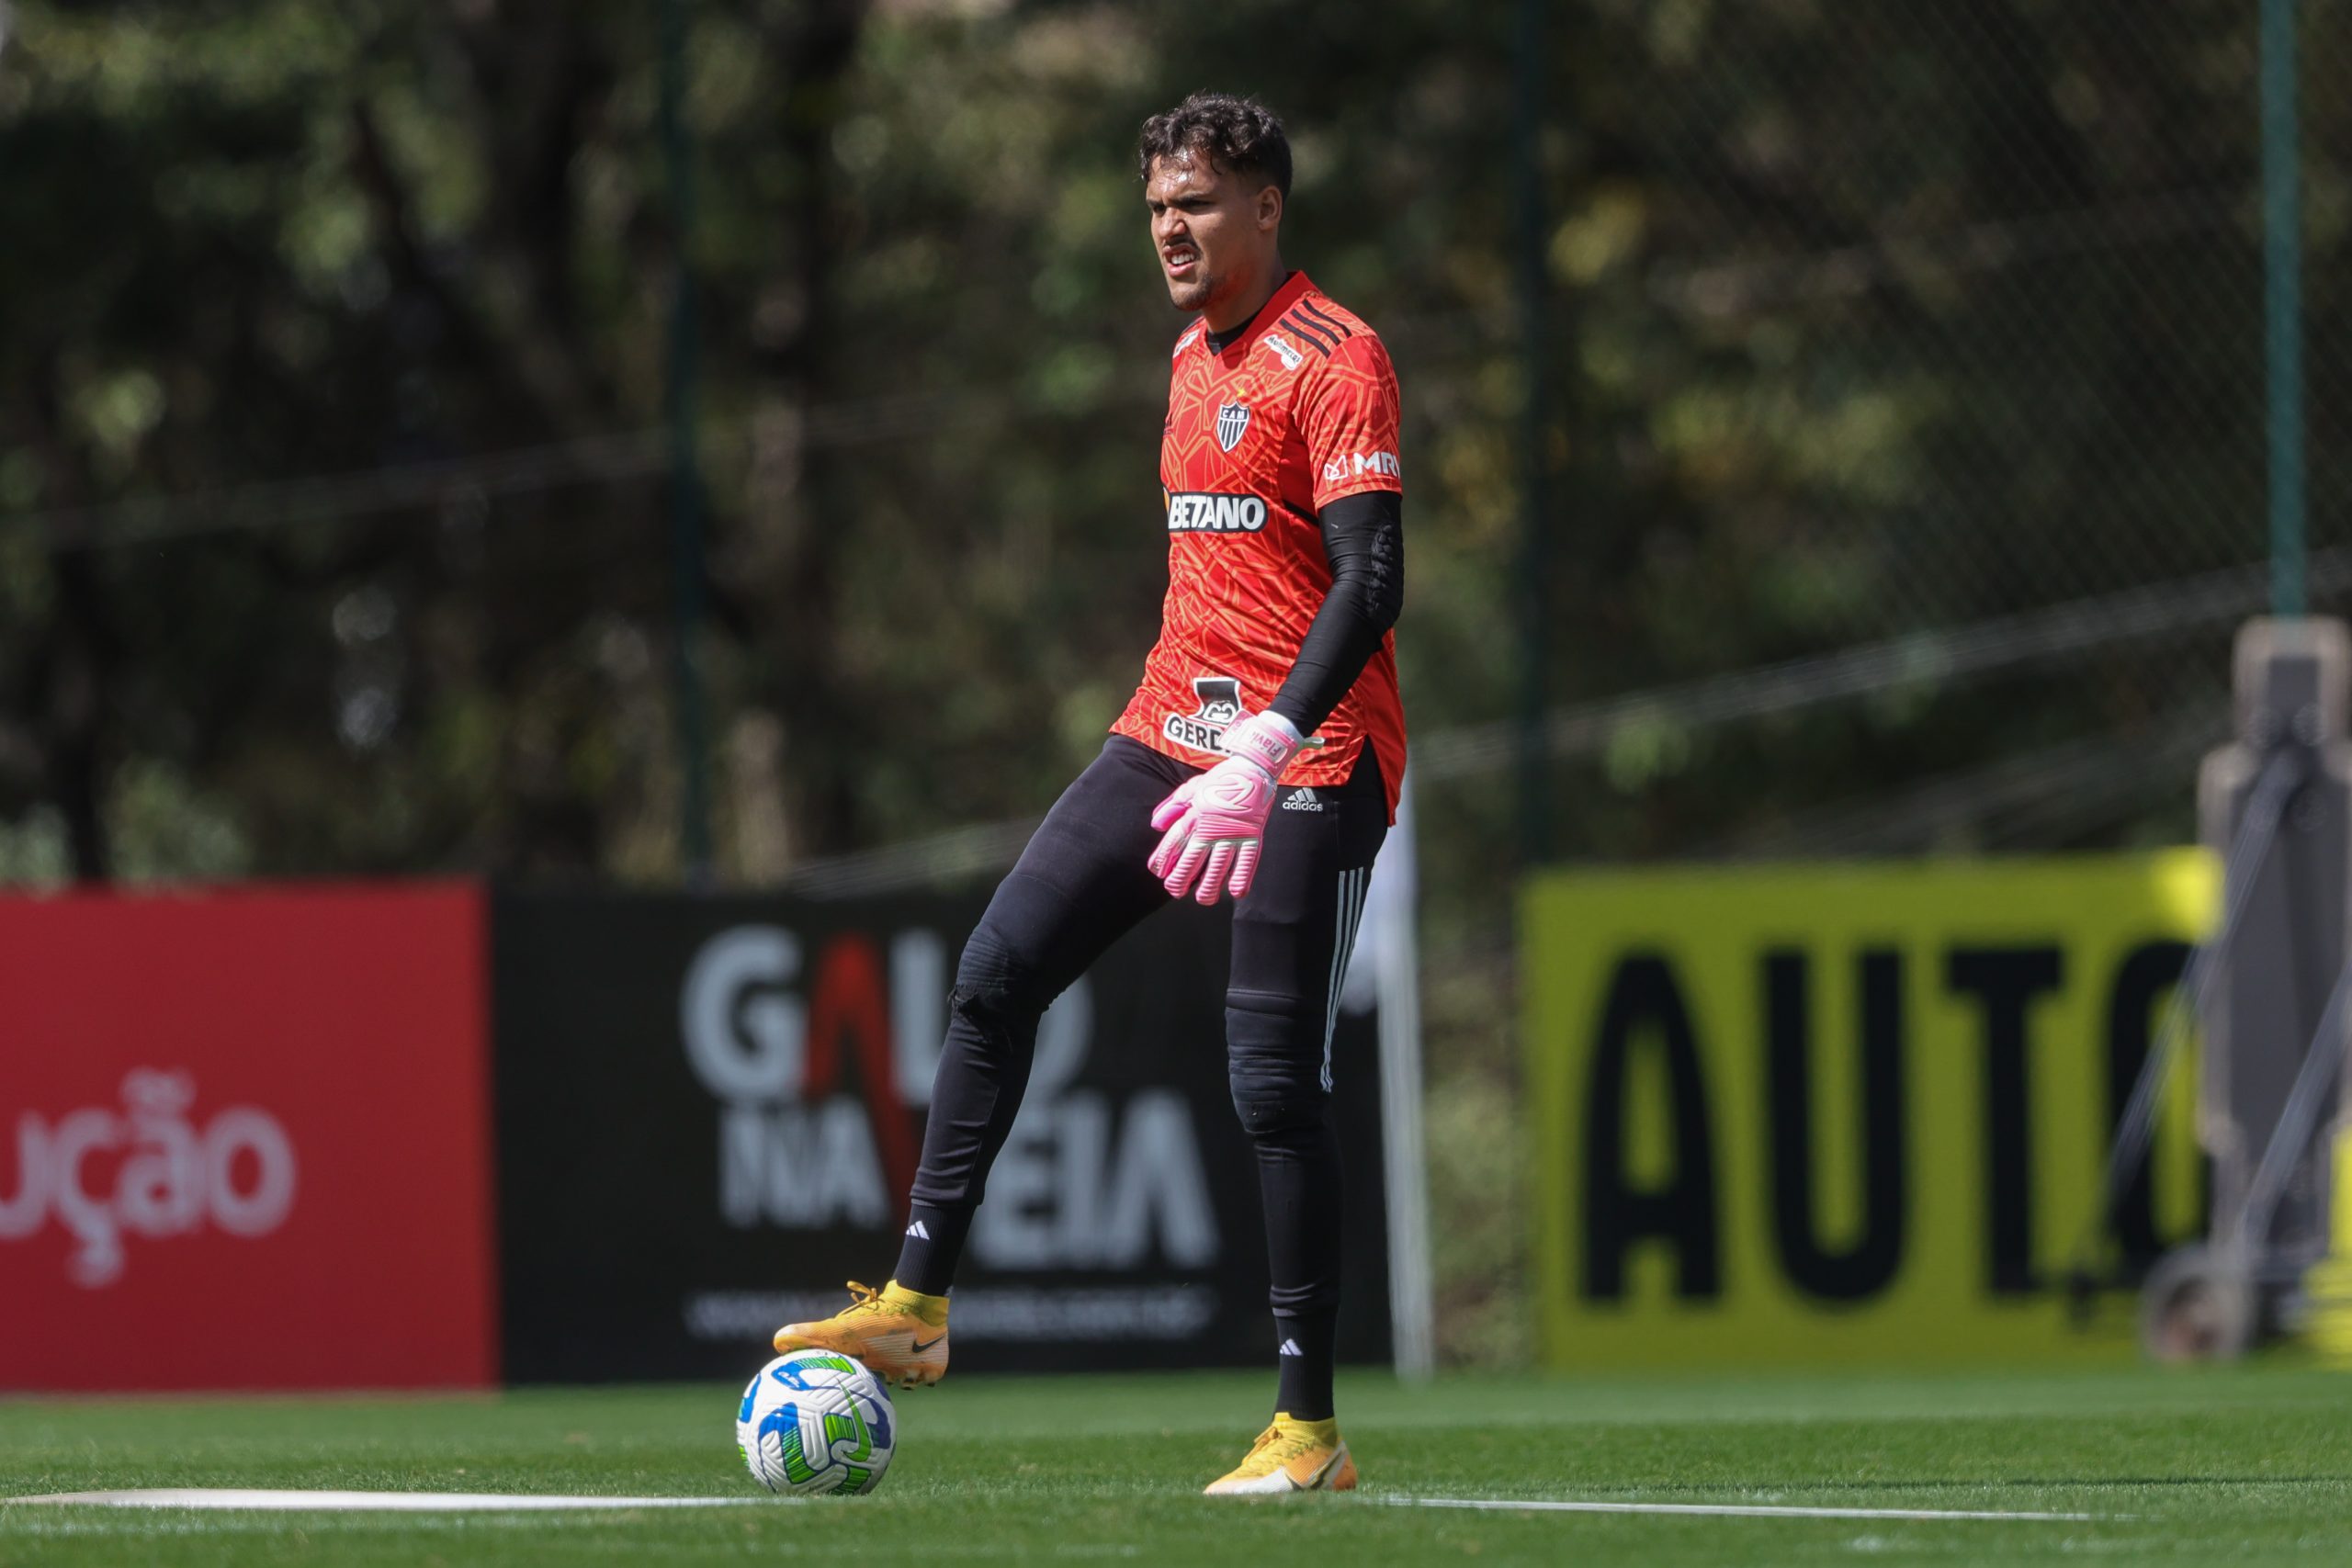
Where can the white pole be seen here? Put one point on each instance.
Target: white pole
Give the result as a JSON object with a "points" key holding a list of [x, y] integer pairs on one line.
{"points": [[1396, 944]]}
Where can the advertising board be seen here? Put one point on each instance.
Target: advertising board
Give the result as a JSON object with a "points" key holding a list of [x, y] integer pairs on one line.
{"points": [[1846, 1112], [710, 1111], [244, 1140]]}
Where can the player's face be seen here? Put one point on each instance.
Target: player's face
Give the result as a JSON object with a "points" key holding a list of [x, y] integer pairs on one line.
{"points": [[1213, 231]]}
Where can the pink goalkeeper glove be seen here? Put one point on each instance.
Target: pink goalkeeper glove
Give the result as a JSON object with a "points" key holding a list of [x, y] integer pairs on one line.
{"points": [[1216, 821]]}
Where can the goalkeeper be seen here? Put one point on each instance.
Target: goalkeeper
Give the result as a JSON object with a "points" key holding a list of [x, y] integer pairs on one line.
{"points": [[1260, 757]]}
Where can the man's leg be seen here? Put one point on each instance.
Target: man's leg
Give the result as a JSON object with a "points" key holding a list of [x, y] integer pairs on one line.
{"points": [[1079, 885], [1292, 938]]}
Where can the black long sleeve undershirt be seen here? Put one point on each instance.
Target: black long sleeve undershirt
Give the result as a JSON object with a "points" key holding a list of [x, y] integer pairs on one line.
{"points": [[1363, 537]]}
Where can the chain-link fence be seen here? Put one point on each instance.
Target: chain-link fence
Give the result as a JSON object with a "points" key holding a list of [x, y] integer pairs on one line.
{"points": [[1915, 354], [1913, 462]]}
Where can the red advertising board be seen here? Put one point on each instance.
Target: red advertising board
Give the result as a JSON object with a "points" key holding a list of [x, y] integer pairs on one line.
{"points": [[245, 1140]]}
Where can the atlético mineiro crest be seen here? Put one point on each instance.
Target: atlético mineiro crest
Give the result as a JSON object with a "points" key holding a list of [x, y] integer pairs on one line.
{"points": [[1232, 423]]}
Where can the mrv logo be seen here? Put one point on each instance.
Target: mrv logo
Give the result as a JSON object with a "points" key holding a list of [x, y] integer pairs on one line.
{"points": [[148, 1170], [818, 1064], [1357, 464], [1194, 512]]}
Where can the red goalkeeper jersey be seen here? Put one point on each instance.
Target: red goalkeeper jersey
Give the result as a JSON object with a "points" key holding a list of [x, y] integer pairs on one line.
{"points": [[1298, 411]]}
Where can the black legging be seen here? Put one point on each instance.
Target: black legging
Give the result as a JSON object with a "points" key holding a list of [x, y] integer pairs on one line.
{"points": [[1080, 885]]}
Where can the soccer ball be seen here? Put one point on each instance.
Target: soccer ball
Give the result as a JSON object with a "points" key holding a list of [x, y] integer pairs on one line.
{"points": [[814, 1421]]}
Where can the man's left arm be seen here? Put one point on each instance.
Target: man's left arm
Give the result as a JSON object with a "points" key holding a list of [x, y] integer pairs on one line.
{"points": [[1349, 418], [1363, 539]]}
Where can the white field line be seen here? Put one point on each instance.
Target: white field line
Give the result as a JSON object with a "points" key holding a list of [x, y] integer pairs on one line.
{"points": [[1740, 1510], [385, 1502], [455, 1502]]}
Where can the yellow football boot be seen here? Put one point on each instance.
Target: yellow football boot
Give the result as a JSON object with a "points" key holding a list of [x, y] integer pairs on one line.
{"points": [[900, 1334], [1291, 1456]]}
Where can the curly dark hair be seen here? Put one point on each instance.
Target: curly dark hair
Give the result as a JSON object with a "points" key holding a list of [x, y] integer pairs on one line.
{"points": [[1241, 134]]}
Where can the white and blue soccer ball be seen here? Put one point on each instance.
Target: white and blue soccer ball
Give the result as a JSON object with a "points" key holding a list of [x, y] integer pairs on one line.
{"points": [[814, 1421]]}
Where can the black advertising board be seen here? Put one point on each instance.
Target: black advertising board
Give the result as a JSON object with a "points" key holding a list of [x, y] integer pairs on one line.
{"points": [[708, 1111]]}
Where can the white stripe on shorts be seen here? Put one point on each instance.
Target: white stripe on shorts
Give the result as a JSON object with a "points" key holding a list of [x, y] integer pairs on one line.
{"points": [[1353, 884]]}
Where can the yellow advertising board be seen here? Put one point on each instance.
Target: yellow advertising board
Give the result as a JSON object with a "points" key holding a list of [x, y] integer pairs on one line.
{"points": [[1847, 1114]]}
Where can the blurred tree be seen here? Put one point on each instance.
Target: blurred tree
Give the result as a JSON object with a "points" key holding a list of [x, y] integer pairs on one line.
{"points": [[1879, 322]]}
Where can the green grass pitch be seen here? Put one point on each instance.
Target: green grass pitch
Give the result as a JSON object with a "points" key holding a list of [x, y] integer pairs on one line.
{"points": [[2242, 1466]]}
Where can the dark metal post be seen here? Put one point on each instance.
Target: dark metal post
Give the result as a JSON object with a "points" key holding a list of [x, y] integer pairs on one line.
{"points": [[2282, 297], [1535, 437], [686, 475]]}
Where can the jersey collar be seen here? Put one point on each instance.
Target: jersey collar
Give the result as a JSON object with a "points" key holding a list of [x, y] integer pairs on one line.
{"points": [[1294, 288]]}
